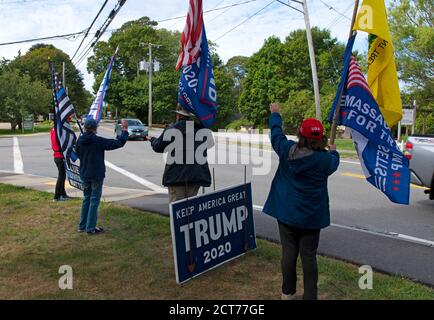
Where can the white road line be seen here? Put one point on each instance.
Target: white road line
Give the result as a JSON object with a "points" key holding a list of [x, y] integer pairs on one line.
{"points": [[394, 235], [18, 160], [136, 178], [350, 162]]}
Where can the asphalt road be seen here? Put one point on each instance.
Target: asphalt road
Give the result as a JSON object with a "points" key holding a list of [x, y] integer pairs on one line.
{"points": [[361, 215]]}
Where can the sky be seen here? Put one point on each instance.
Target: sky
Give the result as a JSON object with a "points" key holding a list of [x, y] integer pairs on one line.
{"points": [[27, 19]]}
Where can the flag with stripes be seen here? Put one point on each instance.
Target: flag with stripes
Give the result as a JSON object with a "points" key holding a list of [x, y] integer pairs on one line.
{"points": [[383, 163], [95, 111], [63, 110], [191, 37], [197, 92]]}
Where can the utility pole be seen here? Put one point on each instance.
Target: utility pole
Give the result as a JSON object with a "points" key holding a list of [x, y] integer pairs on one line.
{"points": [[63, 75], [414, 117], [151, 67], [311, 52], [312, 61]]}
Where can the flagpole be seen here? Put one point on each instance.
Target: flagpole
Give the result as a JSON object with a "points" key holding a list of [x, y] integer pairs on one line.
{"points": [[338, 105], [53, 89]]}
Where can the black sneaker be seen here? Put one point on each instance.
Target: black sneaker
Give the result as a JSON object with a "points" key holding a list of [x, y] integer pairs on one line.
{"points": [[64, 198], [97, 230], [81, 230]]}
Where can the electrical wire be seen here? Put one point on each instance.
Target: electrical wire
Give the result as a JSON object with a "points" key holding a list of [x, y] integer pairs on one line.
{"points": [[100, 31], [207, 11], [244, 21], [220, 14], [44, 38], [333, 8], [90, 27]]}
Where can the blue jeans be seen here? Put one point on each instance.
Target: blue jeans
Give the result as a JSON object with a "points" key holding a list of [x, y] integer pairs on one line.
{"points": [[89, 209]]}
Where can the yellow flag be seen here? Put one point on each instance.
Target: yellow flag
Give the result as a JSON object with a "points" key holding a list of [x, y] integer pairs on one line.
{"points": [[382, 75]]}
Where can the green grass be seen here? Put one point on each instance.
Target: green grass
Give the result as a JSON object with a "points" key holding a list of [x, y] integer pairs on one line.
{"points": [[133, 260], [39, 127], [344, 144]]}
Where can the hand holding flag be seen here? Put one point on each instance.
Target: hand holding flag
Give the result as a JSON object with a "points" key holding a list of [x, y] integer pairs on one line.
{"points": [[382, 162]]}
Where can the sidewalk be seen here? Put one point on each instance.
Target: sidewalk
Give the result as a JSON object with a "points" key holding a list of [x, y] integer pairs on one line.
{"points": [[47, 184]]}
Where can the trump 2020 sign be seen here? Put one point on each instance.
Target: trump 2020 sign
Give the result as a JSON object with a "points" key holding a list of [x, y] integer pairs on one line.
{"points": [[211, 229]]}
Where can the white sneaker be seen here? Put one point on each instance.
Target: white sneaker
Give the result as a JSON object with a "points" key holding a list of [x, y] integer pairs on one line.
{"points": [[288, 296]]}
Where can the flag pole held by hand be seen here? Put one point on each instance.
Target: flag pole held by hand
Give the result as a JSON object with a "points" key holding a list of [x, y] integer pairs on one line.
{"points": [[338, 106]]}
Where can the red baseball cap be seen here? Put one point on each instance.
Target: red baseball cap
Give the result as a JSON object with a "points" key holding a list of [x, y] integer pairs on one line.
{"points": [[312, 129]]}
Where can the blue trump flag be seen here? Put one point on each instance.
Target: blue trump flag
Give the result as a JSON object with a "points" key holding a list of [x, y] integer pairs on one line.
{"points": [[197, 91], [95, 111], [383, 164]]}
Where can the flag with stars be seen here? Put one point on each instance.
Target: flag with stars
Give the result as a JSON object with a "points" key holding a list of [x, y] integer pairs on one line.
{"points": [[63, 113], [383, 163]]}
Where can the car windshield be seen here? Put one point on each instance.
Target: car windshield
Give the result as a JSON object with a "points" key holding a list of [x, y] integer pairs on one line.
{"points": [[134, 123]]}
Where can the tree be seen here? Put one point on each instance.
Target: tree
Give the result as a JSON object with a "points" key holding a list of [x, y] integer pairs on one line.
{"points": [[411, 25], [128, 90], [20, 97], [35, 63], [281, 70]]}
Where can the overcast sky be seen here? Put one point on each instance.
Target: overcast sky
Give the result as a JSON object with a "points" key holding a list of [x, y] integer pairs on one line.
{"points": [[25, 19]]}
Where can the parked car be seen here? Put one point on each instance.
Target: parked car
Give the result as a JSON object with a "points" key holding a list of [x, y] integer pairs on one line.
{"points": [[419, 149], [136, 129]]}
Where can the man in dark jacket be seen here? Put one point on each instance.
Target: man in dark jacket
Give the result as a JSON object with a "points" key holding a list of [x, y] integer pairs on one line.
{"points": [[90, 150], [186, 166]]}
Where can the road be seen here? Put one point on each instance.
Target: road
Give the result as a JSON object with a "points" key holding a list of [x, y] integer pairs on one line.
{"points": [[359, 212]]}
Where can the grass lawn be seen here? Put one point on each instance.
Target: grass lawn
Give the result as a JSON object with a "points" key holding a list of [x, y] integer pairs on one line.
{"points": [[344, 144], [133, 260], [39, 127]]}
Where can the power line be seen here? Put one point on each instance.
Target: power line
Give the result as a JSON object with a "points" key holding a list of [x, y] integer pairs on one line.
{"points": [[288, 5], [207, 11], [333, 8], [90, 27], [101, 30], [338, 19], [44, 38], [220, 14], [21, 2], [244, 21]]}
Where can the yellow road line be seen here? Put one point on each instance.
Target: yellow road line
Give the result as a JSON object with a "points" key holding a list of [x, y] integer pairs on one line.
{"points": [[361, 176], [53, 183]]}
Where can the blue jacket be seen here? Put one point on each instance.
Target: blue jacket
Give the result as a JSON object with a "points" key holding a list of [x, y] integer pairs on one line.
{"points": [[90, 150], [298, 196]]}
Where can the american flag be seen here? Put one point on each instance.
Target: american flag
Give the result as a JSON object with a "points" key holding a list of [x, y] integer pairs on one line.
{"points": [[355, 76], [63, 109], [191, 37]]}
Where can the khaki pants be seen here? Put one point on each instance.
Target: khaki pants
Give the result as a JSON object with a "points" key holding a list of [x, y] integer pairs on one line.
{"points": [[181, 192]]}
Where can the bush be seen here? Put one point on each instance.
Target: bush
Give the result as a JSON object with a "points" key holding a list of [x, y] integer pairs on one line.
{"points": [[237, 124]]}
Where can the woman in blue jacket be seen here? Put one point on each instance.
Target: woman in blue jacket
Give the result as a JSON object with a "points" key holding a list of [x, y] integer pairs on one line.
{"points": [[299, 199]]}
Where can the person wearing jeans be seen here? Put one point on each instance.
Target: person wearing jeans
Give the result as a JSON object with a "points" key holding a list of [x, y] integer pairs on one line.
{"points": [[299, 199], [90, 150], [89, 210]]}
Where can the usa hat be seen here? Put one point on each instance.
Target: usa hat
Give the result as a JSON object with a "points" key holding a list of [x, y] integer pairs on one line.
{"points": [[312, 128]]}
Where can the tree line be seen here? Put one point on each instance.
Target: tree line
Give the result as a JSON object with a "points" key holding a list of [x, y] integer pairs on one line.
{"points": [[279, 71]]}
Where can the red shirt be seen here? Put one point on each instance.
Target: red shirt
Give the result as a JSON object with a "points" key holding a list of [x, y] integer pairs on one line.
{"points": [[55, 145]]}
